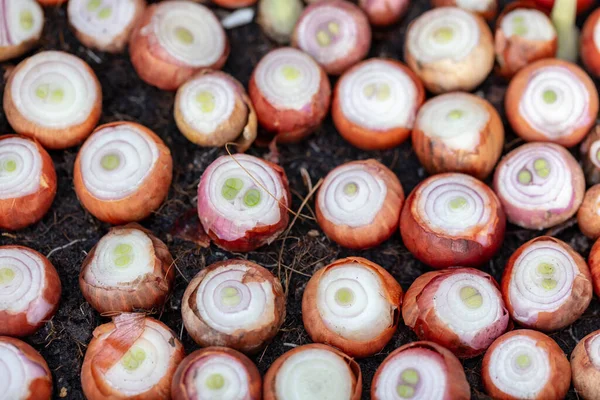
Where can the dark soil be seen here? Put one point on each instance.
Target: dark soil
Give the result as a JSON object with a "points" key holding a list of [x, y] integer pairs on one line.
{"points": [[68, 232]]}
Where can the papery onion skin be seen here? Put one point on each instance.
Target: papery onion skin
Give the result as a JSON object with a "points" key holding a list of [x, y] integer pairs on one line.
{"points": [[436, 157], [441, 250], [20, 212], [584, 367], [148, 292], [317, 328], [153, 63], [590, 156], [12, 50], [594, 266], [383, 225], [179, 390], [367, 138], [590, 53], [588, 216], [42, 308], [559, 380], [150, 194], [269, 381], [457, 386], [489, 14], [568, 312], [384, 12], [242, 340], [41, 387]]}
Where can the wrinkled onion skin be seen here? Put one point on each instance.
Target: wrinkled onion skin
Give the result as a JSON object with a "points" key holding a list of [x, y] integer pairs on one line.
{"points": [[586, 377], [138, 205], [384, 15], [269, 390], [594, 265], [560, 369], [40, 388], [457, 386], [234, 3], [592, 172], [249, 342], [373, 139], [20, 212], [316, 327], [180, 392], [587, 216], [590, 55], [150, 293], [572, 309], [488, 14]]}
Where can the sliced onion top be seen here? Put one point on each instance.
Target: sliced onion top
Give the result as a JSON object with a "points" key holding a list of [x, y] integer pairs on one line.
{"points": [[20, 21], [218, 376], [475, 5], [528, 23], [20, 168], [17, 372], [592, 346]]}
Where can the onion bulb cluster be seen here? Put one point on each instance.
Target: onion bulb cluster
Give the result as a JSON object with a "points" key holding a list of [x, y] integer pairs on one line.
{"points": [[590, 43], [384, 12], [588, 215], [485, 8], [585, 366], [590, 156], [22, 23]]}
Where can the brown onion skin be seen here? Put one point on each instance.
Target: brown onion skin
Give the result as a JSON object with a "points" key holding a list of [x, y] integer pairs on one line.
{"points": [[437, 158], [138, 205], [586, 377], [458, 387], [560, 369], [590, 54], [40, 388], [488, 14], [568, 312], [387, 17], [16, 324], [592, 172], [317, 329], [269, 389], [20, 212], [587, 216], [594, 265], [373, 139], [249, 342], [151, 292], [178, 387], [385, 222]]}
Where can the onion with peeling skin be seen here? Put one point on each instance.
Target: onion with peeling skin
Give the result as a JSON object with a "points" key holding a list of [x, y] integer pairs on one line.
{"points": [[30, 290], [585, 366], [131, 357], [449, 49], [420, 371], [588, 216], [234, 303], [452, 219], [540, 185], [375, 103], [243, 202], [458, 132], [24, 374], [590, 43], [175, 39], [485, 8], [590, 156], [216, 373], [213, 109], [352, 304], [122, 172], [384, 12], [54, 97], [21, 24], [313, 371], [546, 284], [27, 182], [359, 203], [526, 364], [594, 266], [290, 93]]}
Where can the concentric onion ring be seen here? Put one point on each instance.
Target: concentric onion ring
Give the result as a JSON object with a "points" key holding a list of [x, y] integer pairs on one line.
{"points": [[590, 43], [21, 24], [585, 365], [590, 156], [486, 8]]}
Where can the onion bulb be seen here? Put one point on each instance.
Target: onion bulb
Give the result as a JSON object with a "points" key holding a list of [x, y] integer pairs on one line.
{"points": [[485, 8], [54, 97], [313, 371], [277, 18], [384, 12], [526, 364], [22, 23], [175, 39], [540, 185], [24, 374], [594, 266], [585, 366], [546, 284], [216, 373], [588, 216], [452, 219], [290, 93], [122, 172], [27, 182], [336, 33], [420, 371], [359, 203], [375, 103], [232, 4], [590, 156], [30, 290], [352, 304], [47, 3], [458, 132], [243, 202], [213, 109], [590, 43], [449, 49], [131, 357], [234, 303]]}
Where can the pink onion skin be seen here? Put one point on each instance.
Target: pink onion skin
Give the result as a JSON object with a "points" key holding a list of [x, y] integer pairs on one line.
{"points": [[586, 376], [592, 172], [572, 309], [594, 265], [488, 14], [384, 12], [590, 55], [588, 217]]}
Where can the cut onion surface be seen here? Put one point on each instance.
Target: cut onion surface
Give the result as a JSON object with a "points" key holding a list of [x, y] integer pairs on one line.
{"points": [[21, 24], [485, 8]]}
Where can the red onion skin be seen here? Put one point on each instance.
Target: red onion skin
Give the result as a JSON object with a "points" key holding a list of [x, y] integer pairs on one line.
{"points": [[384, 12], [489, 14], [587, 216], [572, 309], [592, 172], [233, 4], [590, 55], [594, 266], [586, 377]]}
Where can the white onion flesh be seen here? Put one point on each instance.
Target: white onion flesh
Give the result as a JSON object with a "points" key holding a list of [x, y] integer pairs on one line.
{"points": [[529, 24], [233, 375], [379, 95], [104, 20], [20, 168], [16, 373], [592, 347], [20, 21], [116, 160], [594, 153], [475, 5], [288, 78]]}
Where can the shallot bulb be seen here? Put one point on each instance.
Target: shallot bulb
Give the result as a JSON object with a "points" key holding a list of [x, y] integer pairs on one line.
{"points": [[590, 156], [234, 303], [22, 22], [588, 216], [585, 366], [352, 304], [384, 12], [594, 266], [485, 8], [590, 43]]}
